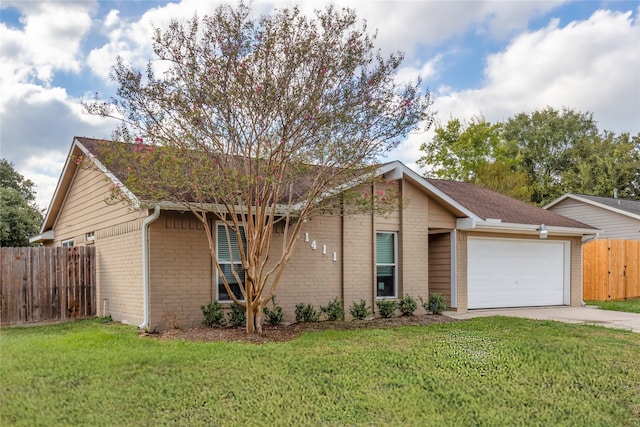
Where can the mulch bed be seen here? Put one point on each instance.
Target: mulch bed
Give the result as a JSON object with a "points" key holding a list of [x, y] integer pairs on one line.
{"points": [[283, 333]]}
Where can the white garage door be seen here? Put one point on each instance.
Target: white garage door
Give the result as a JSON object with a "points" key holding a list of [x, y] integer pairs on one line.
{"points": [[517, 273]]}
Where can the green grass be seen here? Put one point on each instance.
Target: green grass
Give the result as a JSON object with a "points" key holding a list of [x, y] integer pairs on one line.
{"points": [[631, 305], [486, 371]]}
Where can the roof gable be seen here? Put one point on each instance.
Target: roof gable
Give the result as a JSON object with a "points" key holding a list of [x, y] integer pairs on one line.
{"points": [[80, 148]]}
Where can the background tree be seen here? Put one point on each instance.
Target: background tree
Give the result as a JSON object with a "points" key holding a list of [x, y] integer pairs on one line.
{"points": [[255, 122], [475, 152], [545, 140], [604, 163], [20, 218], [537, 157]]}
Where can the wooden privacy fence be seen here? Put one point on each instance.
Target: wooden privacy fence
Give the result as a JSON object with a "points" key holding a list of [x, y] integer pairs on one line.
{"points": [[43, 284], [611, 269]]}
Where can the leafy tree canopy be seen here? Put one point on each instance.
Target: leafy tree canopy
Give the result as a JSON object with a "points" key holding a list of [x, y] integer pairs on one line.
{"points": [[537, 156], [475, 152], [258, 121], [20, 218]]}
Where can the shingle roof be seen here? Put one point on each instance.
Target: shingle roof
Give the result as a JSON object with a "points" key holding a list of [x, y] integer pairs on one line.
{"points": [[490, 204], [631, 206], [98, 147], [483, 203]]}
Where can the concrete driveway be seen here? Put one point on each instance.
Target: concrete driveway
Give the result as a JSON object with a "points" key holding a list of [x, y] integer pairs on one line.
{"points": [[589, 314]]}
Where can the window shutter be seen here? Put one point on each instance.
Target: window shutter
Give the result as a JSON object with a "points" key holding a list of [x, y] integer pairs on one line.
{"points": [[384, 248], [223, 244]]}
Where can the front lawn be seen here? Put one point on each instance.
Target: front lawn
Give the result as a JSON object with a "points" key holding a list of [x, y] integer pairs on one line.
{"points": [[631, 305], [485, 371]]}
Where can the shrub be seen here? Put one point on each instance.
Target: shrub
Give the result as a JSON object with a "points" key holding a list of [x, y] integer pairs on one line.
{"points": [[273, 317], [436, 303], [408, 305], [334, 310], [212, 314], [237, 315], [387, 307], [105, 319], [359, 310], [306, 313]]}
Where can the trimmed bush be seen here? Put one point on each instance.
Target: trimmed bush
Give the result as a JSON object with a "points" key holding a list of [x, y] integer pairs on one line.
{"points": [[407, 305], [306, 313], [334, 310], [212, 314], [436, 304], [387, 307], [273, 317], [359, 310], [237, 315]]}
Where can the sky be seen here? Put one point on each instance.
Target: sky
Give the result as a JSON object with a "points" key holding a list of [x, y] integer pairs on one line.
{"points": [[477, 58]]}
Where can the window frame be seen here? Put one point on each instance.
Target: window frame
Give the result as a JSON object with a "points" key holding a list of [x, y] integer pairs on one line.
{"points": [[237, 263], [393, 265], [90, 236], [68, 243]]}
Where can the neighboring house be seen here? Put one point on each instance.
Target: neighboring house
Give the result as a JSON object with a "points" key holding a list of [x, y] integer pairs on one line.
{"points": [[479, 248], [616, 218]]}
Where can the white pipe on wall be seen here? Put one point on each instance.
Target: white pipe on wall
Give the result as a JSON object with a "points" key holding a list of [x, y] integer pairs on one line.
{"points": [[145, 264]]}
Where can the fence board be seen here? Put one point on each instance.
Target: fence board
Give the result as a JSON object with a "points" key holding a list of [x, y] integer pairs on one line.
{"points": [[42, 284], [632, 250], [611, 269], [595, 270]]}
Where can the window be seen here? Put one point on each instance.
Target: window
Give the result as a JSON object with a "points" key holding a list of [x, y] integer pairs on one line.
{"points": [[226, 252], [67, 243], [386, 265], [90, 236]]}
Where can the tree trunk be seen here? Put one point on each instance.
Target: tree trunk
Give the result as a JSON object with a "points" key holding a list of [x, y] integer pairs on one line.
{"points": [[258, 318], [250, 317]]}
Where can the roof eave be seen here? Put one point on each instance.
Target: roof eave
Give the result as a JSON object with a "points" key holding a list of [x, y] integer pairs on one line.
{"points": [[47, 236], [506, 227]]}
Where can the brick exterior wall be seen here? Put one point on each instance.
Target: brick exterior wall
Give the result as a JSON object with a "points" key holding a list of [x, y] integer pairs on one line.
{"points": [[182, 277], [180, 271], [413, 248], [119, 275]]}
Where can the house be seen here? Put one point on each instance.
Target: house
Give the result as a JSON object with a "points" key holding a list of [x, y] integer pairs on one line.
{"points": [[616, 218], [479, 248]]}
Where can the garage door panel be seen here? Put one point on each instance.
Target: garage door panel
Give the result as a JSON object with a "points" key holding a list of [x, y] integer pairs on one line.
{"points": [[515, 273]]}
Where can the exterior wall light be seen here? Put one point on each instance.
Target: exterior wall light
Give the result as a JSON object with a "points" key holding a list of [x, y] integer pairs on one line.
{"points": [[542, 231]]}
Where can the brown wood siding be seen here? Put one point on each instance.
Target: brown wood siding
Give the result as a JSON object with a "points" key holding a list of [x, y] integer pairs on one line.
{"points": [[440, 265]]}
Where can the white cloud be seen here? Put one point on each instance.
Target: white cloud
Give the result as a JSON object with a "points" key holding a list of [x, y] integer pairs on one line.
{"points": [[50, 40], [403, 25], [44, 169], [406, 24], [591, 65]]}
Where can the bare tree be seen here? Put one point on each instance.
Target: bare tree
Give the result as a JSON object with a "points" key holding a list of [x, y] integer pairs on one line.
{"points": [[255, 122]]}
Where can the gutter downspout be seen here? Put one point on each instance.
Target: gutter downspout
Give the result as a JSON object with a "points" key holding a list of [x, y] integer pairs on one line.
{"points": [[145, 264]]}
